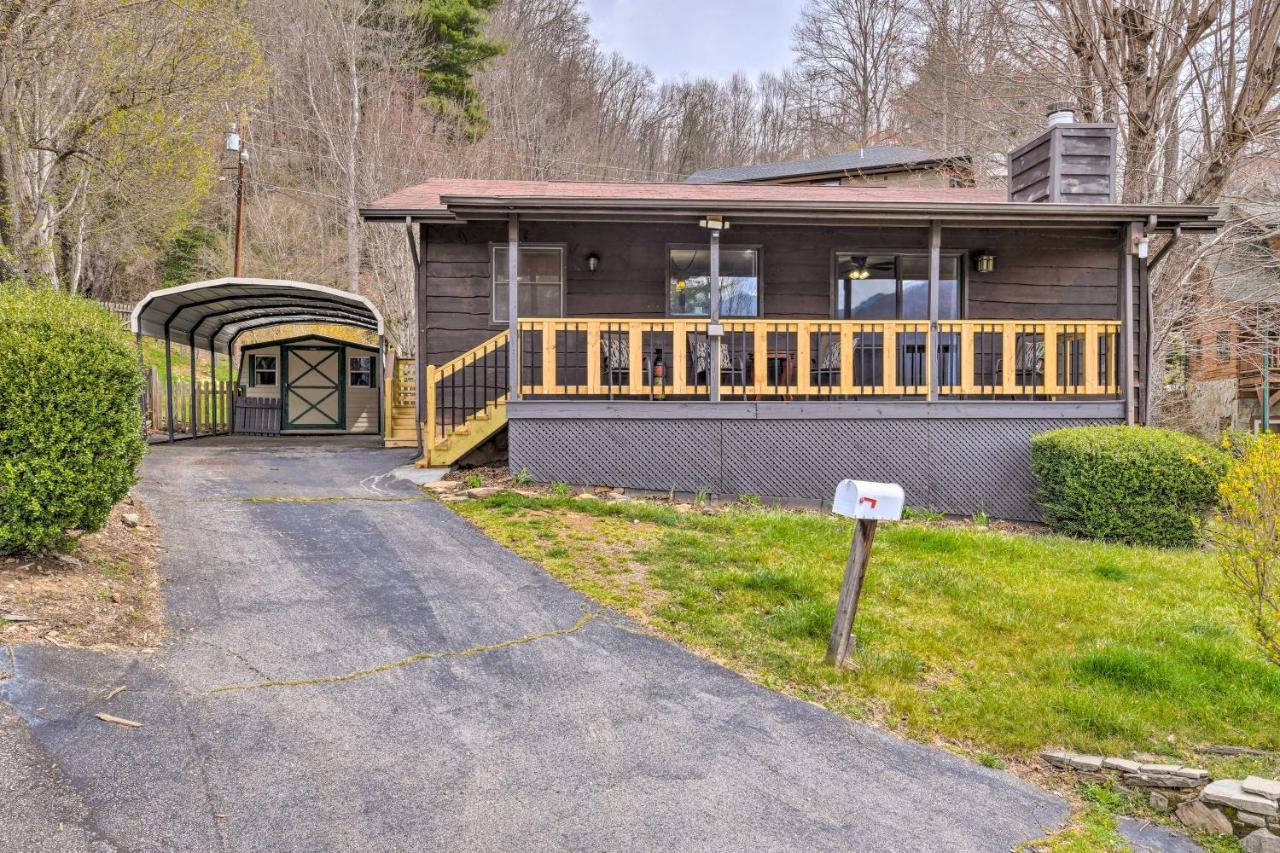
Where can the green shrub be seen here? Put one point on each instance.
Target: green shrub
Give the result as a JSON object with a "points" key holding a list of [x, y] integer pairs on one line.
{"points": [[1126, 484], [70, 426]]}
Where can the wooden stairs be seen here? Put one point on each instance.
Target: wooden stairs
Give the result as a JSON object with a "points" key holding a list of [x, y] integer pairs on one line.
{"points": [[466, 404]]}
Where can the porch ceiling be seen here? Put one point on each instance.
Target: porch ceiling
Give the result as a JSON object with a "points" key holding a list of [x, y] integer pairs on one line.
{"points": [[217, 310]]}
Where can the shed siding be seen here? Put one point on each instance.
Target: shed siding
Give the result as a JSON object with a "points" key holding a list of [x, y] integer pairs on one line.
{"points": [[1040, 274]]}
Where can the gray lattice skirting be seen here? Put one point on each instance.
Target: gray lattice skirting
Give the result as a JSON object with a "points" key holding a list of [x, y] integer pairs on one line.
{"points": [[947, 464]]}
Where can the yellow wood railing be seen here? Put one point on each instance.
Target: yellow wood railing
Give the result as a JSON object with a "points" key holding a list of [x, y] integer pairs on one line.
{"points": [[974, 359]]}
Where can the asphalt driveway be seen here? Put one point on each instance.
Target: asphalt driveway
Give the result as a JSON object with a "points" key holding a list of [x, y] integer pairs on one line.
{"points": [[351, 667]]}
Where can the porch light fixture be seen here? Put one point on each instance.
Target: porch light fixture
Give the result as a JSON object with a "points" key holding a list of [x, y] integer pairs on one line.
{"points": [[593, 262], [984, 262]]}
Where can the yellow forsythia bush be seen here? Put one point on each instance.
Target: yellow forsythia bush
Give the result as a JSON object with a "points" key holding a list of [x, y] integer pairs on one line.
{"points": [[1247, 534]]}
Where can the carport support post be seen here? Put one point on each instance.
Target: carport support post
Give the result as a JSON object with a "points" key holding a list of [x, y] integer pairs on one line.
{"points": [[213, 386], [841, 642], [168, 381], [195, 392], [513, 307]]}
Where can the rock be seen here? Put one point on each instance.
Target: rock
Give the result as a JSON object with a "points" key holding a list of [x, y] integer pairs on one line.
{"points": [[1262, 841], [1251, 819], [1161, 780], [1197, 815], [1057, 758], [1121, 764], [482, 491], [1196, 773], [1268, 788], [585, 496], [1228, 792], [1088, 763], [1159, 801], [68, 559], [1159, 768], [131, 519], [442, 486], [15, 617]]}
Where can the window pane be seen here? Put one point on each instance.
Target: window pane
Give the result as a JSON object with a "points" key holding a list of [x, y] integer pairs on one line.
{"points": [[867, 287], [536, 264], [689, 282], [541, 282], [915, 288]]}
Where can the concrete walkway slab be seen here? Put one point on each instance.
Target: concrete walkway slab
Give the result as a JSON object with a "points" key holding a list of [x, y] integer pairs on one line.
{"points": [[352, 666]]}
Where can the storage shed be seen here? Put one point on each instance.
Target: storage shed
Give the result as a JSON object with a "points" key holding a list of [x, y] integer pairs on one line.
{"points": [[322, 385]]}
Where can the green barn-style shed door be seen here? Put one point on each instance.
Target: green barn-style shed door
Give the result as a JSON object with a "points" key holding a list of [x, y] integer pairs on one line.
{"points": [[313, 388]]}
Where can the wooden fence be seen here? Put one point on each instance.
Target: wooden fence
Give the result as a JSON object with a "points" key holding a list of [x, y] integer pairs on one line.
{"points": [[214, 403]]}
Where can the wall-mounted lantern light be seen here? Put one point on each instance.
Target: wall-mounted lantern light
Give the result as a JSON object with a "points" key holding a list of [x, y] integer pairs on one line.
{"points": [[593, 262], [984, 262]]}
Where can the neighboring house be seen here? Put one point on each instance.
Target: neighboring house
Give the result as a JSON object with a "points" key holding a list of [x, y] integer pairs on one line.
{"points": [[1231, 356], [773, 340], [876, 165]]}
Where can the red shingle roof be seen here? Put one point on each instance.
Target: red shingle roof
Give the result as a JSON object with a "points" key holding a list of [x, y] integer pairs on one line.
{"points": [[427, 195]]}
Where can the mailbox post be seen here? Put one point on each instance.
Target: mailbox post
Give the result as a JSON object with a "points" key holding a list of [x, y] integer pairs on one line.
{"points": [[869, 503]]}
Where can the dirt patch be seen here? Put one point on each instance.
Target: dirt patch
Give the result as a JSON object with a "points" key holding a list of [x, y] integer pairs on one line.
{"points": [[104, 595]]}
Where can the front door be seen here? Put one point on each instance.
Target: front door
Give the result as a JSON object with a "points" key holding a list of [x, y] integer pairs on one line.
{"points": [[313, 388]]}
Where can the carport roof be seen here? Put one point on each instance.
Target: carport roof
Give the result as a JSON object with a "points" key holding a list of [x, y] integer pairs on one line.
{"points": [[215, 311]]}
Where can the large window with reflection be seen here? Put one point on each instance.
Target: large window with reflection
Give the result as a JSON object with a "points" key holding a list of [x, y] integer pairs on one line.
{"points": [[894, 287], [689, 281]]}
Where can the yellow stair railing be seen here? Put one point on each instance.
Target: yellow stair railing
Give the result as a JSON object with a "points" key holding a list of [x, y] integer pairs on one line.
{"points": [[466, 402]]}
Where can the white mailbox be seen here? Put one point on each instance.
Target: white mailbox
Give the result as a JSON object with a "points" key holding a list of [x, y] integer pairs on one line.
{"points": [[873, 501]]}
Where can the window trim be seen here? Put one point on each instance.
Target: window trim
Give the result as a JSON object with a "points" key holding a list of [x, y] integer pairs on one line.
{"points": [[666, 279], [962, 283], [563, 248], [373, 370], [253, 371]]}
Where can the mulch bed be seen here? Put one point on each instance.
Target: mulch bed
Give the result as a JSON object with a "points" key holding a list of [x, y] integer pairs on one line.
{"points": [[104, 595]]}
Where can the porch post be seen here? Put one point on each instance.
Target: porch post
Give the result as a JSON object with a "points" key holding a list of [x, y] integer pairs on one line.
{"points": [[513, 302], [934, 348], [195, 395], [168, 381], [1126, 322], [713, 319], [420, 321]]}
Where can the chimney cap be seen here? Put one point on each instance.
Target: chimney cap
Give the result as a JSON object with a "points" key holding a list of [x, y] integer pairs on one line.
{"points": [[1060, 107]]}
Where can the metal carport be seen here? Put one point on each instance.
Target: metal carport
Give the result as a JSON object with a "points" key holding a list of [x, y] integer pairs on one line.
{"points": [[211, 315]]}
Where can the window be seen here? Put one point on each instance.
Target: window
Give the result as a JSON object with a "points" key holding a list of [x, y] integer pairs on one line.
{"points": [[1223, 341], [689, 282], [541, 287], [262, 370], [894, 287], [360, 371]]}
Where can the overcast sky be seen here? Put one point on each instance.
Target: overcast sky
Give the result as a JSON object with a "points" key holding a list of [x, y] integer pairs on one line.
{"points": [[697, 38]]}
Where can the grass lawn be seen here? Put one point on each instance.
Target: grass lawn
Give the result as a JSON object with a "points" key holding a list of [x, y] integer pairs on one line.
{"points": [[995, 643]]}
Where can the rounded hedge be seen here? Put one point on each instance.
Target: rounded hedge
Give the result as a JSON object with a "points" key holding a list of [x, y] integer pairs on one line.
{"points": [[70, 425], [1138, 485]]}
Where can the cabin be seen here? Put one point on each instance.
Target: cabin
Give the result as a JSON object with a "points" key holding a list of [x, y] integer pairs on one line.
{"points": [[766, 339]]}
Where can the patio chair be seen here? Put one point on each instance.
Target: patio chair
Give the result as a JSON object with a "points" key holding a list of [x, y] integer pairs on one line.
{"points": [[733, 369]]}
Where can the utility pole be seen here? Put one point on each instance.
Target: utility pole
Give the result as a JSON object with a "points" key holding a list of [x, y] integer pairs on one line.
{"points": [[236, 142]]}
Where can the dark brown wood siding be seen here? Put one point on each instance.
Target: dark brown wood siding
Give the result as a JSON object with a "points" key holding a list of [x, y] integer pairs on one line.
{"points": [[1039, 274]]}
